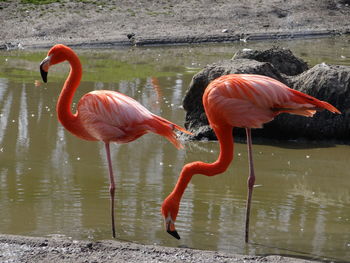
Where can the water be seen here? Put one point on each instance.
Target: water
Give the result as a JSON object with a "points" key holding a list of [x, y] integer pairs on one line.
{"points": [[52, 183]]}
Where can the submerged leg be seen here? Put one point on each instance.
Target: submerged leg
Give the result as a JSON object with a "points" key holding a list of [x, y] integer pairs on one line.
{"points": [[111, 185], [251, 180]]}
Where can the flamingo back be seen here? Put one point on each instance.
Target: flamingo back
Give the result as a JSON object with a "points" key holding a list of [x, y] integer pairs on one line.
{"points": [[245, 100]]}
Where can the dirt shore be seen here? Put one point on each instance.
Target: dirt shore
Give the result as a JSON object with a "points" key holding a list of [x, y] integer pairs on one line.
{"points": [[102, 23], [59, 250]]}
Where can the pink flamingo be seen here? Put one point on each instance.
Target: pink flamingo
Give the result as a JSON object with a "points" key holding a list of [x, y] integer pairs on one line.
{"points": [[103, 115], [239, 100]]}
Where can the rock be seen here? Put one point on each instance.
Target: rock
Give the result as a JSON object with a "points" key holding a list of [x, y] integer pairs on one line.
{"points": [[281, 59], [130, 35], [328, 83], [11, 46]]}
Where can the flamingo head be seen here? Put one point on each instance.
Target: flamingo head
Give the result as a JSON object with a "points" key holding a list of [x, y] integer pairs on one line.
{"points": [[56, 54], [170, 209]]}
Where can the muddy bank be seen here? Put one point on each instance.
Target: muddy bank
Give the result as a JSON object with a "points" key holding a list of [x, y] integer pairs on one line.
{"points": [[113, 23], [56, 250]]}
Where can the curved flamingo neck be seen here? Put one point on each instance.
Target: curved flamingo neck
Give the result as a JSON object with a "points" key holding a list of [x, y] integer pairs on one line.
{"points": [[65, 115], [224, 135]]}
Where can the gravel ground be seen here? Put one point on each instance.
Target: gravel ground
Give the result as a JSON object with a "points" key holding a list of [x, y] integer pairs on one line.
{"points": [[124, 22], [56, 250]]}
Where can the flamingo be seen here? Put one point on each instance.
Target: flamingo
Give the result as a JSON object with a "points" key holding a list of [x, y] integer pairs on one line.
{"points": [[239, 100], [103, 115]]}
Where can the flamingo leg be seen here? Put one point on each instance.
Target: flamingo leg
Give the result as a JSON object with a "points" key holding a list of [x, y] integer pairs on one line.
{"points": [[251, 181], [111, 185]]}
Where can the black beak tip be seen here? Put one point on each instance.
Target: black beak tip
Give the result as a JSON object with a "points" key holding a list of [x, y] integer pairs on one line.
{"points": [[43, 75], [174, 234]]}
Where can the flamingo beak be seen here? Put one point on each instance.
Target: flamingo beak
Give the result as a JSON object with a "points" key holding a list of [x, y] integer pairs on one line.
{"points": [[174, 234], [170, 227], [44, 68]]}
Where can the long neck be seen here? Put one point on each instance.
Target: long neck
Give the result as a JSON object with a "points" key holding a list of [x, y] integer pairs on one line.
{"points": [[224, 135], [64, 112]]}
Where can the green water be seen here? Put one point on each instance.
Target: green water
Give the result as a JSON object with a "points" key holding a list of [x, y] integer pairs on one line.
{"points": [[52, 183]]}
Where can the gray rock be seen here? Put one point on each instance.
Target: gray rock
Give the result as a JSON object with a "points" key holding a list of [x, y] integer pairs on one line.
{"points": [[281, 59]]}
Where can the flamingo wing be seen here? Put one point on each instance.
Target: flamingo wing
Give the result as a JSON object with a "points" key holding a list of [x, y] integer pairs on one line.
{"points": [[112, 116]]}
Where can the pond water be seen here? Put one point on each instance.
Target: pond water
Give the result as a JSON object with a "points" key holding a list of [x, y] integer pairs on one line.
{"points": [[52, 183]]}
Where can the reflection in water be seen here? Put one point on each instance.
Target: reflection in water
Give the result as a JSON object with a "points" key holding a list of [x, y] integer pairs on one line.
{"points": [[3, 87], [22, 138], [52, 183], [5, 116], [59, 155]]}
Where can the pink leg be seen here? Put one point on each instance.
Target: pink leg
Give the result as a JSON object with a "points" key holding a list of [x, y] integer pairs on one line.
{"points": [[111, 185], [251, 180]]}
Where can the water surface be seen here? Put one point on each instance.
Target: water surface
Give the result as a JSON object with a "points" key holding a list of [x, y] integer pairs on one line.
{"points": [[52, 183]]}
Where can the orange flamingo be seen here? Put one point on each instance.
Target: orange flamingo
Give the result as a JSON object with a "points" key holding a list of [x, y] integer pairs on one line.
{"points": [[103, 115], [239, 100]]}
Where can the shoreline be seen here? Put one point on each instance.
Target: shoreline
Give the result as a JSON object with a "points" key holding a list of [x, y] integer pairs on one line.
{"points": [[182, 40], [61, 250]]}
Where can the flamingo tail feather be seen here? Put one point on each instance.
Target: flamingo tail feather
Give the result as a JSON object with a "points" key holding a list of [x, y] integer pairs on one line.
{"points": [[311, 105], [166, 128]]}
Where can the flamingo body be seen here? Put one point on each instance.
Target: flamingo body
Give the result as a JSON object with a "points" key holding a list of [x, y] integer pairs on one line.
{"points": [[249, 101], [103, 115], [239, 100], [111, 116]]}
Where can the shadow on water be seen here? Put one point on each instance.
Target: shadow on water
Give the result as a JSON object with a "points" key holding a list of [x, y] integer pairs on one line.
{"points": [[300, 143], [291, 144]]}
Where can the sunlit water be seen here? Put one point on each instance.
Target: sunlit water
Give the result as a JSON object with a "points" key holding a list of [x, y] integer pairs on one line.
{"points": [[52, 183]]}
